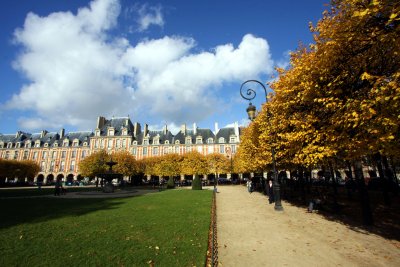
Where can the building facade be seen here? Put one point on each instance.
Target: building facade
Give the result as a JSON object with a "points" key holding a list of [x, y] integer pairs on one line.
{"points": [[59, 154]]}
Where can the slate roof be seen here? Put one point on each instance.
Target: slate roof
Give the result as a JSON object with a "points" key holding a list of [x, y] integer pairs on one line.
{"points": [[118, 124]]}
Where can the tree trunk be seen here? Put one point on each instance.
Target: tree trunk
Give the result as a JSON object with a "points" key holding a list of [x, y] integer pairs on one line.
{"points": [[364, 197], [383, 179], [335, 204]]}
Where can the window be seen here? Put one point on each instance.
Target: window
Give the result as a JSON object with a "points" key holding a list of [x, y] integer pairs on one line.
{"points": [[18, 145], [26, 154], [135, 143], [210, 149], [210, 141], [232, 140], [221, 140], [44, 154], [54, 154], [110, 143], [199, 140], [110, 132], [123, 142], [83, 154], [177, 149], [76, 142], [63, 154], [221, 149], [46, 144], [73, 154], [9, 145], [72, 166], [42, 166], [156, 141], [66, 143], [55, 144], [96, 143], [188, 149], [35, 154], [188, 140], [62, 167], [134, 151], [155, 151], [85, 144], [37, 144], [118, 144], [7, 155], [145, 142], [200, 149], [52, 165], [233, 149], [177, 142], [145, 151], [166, 142], [16, 154], [97, 133], [2, 145]]}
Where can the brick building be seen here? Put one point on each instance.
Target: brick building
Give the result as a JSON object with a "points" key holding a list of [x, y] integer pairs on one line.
{"points": [[59, 154]]}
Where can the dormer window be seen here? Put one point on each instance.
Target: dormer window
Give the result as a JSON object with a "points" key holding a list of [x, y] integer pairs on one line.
{"points": [[97, 132], [124, 132], [66, 143], [46, 144], [199, 140], [221, 140], [1, 145], [156, 141], [188, 140], [232, 139], [177, 142], [134, 143], [75, 143], [37, 144], [9, 145], [210, 141], [110, 132], [18, 145], [85, 144], [55, 144], [146, 142], [166, 142]]}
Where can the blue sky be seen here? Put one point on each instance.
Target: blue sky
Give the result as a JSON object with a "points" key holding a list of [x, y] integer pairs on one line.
{"points": [[63, 63]]}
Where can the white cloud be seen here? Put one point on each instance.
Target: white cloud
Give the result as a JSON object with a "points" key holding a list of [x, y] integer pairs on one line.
{"points": [[78, 71], [149, 15]]}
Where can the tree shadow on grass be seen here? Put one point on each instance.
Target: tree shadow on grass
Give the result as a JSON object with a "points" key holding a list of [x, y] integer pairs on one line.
{"points": [[348, 212], [36, 210]]}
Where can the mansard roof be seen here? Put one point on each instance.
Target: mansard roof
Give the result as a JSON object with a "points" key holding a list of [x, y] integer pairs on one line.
{"points": [[118, 124], [83, 136], [204, 133]]}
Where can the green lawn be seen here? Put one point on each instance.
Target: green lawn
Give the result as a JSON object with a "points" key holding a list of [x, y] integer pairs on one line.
{"points": [[168, 228]]}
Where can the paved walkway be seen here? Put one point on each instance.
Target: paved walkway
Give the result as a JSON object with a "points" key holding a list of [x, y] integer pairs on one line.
{"points": [[252, 233]]}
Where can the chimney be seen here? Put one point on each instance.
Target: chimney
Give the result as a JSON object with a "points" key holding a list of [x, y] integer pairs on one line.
{"points": [[43, 133], [146, 129], [100, 122], [216, 128], [62, 133], [165, 129], [183, 128], [236, 127], [194, 129], [137, 129]]}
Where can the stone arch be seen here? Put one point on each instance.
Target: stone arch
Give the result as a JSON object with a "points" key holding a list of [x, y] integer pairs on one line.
{"points": [[40, 178], [50, 178], [79, 177], [60, 177], [70, 178]]}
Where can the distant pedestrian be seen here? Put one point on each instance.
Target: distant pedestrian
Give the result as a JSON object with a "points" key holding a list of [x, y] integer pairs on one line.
{"points": [[248, 186], [57, 187], [271, 197]]}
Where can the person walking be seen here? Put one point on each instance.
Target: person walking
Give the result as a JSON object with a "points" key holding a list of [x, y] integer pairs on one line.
{"points": [[271, 197], [57, 187]]}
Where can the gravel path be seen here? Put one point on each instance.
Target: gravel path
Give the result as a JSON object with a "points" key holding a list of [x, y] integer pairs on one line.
{"points": [[252, 233]]}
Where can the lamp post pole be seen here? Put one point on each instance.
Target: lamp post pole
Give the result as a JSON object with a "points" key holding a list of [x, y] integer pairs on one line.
{"points": [[249, 94]]}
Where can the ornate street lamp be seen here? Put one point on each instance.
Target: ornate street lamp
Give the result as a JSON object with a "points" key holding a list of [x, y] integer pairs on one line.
{"points": [[251, 111]]}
